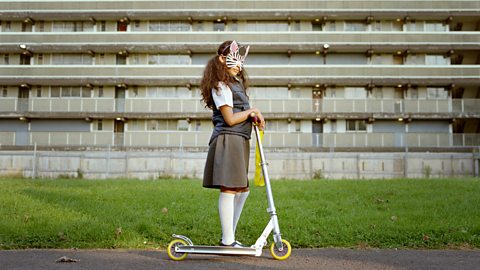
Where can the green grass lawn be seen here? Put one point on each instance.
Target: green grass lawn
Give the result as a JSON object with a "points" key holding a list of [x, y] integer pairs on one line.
{"points": [[403, 213]]}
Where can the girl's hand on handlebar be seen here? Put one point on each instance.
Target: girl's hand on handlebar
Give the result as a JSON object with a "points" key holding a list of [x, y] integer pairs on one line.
{"points": [[259, 116]]}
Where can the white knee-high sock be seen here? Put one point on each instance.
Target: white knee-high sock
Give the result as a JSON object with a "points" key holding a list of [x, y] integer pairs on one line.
{"points": [[225, 209], [240, 199]]}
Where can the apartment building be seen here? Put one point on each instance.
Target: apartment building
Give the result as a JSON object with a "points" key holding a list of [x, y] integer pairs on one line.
{"points": [[327, 74]]}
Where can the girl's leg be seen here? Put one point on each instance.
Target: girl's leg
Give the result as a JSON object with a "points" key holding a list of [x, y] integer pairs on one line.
{"points": [[230, 207], [225, 210], [240, 199]]}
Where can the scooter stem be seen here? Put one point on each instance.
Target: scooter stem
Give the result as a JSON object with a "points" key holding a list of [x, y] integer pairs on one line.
{"points": [[271, 204]]}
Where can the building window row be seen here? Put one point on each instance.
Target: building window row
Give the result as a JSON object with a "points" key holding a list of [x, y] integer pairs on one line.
{"points": [[125, 58], [125, 25], [255, 92]]}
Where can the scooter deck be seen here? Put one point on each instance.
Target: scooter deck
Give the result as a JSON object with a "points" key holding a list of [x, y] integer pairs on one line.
{"points": [[216, 250]]}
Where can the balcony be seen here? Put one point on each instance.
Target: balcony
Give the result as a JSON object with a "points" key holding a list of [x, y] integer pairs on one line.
{"points": [[268, 10], [180, 42], [180, 139], [276, 106], [259, 75]]}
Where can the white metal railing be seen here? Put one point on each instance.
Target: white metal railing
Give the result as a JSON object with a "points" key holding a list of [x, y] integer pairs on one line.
{"points": [[271, 139], [297, 105]]}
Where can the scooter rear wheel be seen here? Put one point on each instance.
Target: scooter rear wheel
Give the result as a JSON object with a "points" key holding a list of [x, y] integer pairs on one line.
{"points": [[176, 256], [281, 255]]}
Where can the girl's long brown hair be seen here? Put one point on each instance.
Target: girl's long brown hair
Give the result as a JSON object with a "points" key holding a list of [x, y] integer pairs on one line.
{"points": [[215, 72]]}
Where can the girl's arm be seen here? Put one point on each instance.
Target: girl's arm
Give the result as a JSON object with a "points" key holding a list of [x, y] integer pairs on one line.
{"points": [[239, 117]]}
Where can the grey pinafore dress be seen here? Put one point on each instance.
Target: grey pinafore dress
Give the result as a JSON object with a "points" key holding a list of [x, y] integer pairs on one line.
{"points": [[229, 146]]}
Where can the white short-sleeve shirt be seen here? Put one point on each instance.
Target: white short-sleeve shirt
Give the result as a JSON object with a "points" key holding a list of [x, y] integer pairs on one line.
{"points": [[224, 97]]}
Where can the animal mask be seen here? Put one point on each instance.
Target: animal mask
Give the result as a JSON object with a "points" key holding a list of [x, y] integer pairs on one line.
{"points": [[237, 55]]}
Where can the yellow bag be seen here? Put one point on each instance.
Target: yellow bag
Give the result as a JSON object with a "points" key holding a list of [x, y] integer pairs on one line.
{"points": [[258, 180]]}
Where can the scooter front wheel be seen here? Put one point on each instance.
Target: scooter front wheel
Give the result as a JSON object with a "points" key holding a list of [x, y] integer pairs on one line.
{"points": [[281, 255], [176, 256]]}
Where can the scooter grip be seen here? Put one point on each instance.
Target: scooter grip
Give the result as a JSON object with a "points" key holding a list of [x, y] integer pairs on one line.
{"points": [[254, 118]]}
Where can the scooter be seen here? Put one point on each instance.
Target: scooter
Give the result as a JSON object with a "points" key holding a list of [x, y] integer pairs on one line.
{"points": [[179, 248]]}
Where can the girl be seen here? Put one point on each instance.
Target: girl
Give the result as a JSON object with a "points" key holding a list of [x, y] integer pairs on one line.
{"points": [[223, 90]]}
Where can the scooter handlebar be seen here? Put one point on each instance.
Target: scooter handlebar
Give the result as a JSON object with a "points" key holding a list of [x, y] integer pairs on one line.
{"points": [[254, 118]]}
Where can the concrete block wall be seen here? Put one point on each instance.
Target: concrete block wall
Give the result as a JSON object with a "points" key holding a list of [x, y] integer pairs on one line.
{"points": [[282, 165]]}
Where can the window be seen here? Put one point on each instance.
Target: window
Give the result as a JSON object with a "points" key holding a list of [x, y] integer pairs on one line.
{"points": [[121, 59], [386, 26], [69, 26], [198, 125], [436, 27], [274, 26], [277, 125], [26, 27], [99, 124], [55, 91], [218, 26], [415, 59], [4, 92], [377, 92], [398, 59], [122, 26], [436, 93], [137, 26], [330, 26], [39, 92], [197, 26], [436, 60], [333, 126], [295, 26], [100, 91], [355, 26], [169, 26], [331, 93], [136, 125], [40, 59], [355, 93], [356, 125], [159, 59], [346, 59], [182, 125], [298, 126], [8, 27], [413, 93], [414, 26], [70, 91], [317, 26], [25, 59], [233, 26], [168, 92], [40, 26], [102, 26], [72, 59], [381, 59], [6, 59], [135, 91], [269, 92], [86, 92], [153, 125]]}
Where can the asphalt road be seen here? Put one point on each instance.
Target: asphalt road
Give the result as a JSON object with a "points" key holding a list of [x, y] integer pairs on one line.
{"points": [[300, 259]]}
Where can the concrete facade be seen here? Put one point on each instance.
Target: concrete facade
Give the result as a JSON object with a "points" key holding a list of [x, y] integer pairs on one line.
{"points": [[347, 77]]}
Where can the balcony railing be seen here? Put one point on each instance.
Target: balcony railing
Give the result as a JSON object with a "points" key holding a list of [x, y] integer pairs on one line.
{"points": [[297, 41], [297, 105], [271, 139], [261, 74]]}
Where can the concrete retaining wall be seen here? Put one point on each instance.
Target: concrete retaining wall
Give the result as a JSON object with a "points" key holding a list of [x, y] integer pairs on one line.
{"points": [[296, 165]]}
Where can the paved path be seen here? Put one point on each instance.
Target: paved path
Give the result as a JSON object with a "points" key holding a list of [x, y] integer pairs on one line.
{"points": [[330, 259]]}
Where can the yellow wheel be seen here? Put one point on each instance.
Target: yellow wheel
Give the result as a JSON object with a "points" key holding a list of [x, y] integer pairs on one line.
{"points": [[281, 255], [176, 256]]}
